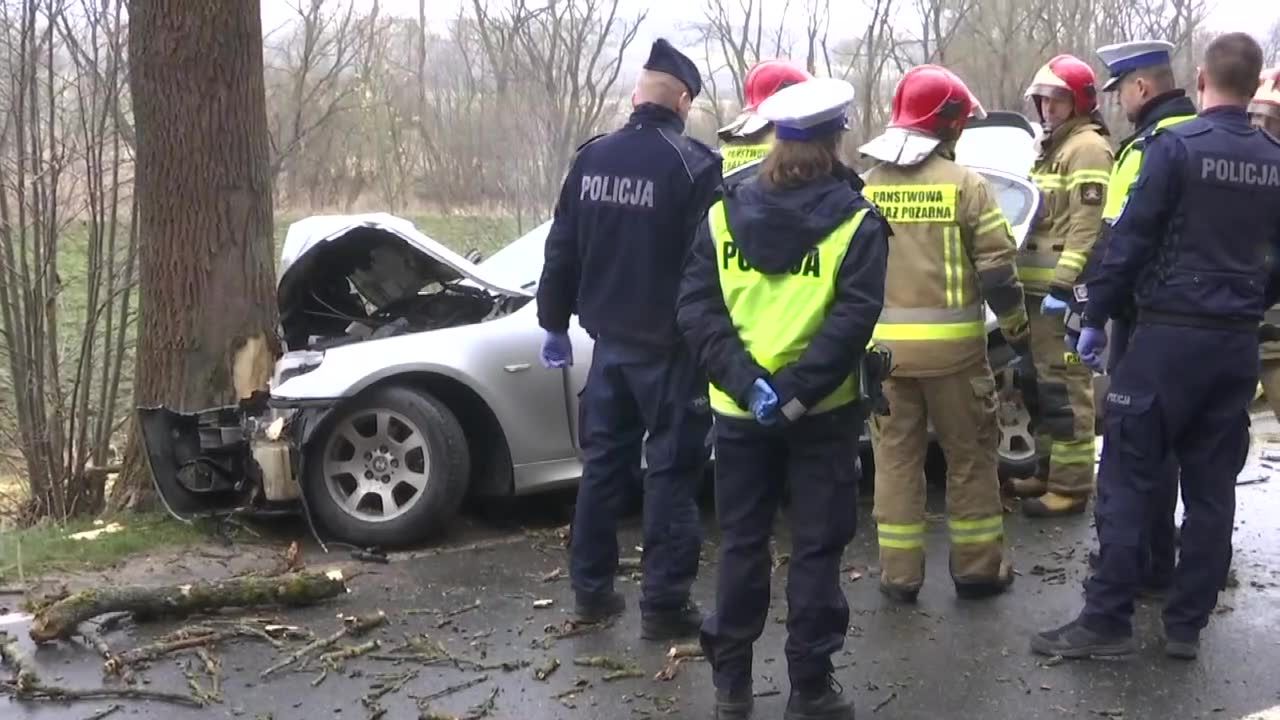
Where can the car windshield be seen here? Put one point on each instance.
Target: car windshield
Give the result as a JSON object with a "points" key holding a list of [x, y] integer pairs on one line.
{"points": [[1014, 197]]}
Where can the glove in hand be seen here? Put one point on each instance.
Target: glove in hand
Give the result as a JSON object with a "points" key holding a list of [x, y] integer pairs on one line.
{"points": [[763, 402], [557, 351], [1092, 342]]}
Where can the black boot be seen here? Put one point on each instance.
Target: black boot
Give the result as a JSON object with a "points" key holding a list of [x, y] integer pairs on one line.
{"points": [[900, 594], [592, 609], [824, 701], [683, 622], [1074, 640], [734, 704]]}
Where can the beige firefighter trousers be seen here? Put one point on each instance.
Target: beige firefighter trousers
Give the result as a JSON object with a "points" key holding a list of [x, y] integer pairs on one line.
{"points": [[1066, 406], [962, 407], [1271, 383]]}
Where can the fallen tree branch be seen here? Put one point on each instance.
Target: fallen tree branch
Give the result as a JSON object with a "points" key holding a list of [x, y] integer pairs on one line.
{"points": [[60, 619], [353, 626], [24, 672], [450, 690], [61, 694], [193, 637], [104, 712], [333, 658]]}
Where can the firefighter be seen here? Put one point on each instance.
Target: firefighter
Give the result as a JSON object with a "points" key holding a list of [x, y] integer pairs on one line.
{"points": [[745, 141], [1195, 245], [1143, 80], [625, 219], [1264, 111], [779, 298], [952, 250], [1072, 172]]}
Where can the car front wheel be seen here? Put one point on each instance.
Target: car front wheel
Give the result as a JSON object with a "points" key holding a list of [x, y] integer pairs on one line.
{"points": [[1017, 449], [389, 468]]}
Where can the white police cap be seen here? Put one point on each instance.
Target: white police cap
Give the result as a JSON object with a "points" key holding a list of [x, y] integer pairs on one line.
{"points": [[809, 110], [1123, 58]]}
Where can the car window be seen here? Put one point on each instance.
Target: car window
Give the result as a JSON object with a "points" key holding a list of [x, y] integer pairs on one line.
{"points": [[1015, 198]]}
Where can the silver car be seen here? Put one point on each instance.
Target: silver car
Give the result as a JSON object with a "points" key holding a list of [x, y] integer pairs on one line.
{"points": [[411, 379]]}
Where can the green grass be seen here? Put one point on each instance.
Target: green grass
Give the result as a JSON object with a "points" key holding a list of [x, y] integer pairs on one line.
{"points": [[48, 547]]}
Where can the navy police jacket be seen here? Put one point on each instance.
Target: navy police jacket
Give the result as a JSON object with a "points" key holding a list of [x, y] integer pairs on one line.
{"points": [[624, 222], [1198, 236]]}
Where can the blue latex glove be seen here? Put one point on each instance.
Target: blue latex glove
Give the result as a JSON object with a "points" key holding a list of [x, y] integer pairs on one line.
{"points": [[1052, 306], [763, 402], [1092, 342], [557, 351]]}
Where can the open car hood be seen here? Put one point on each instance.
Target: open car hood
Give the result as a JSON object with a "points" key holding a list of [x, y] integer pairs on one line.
{"points": [[1004, 141], [384, 258]]}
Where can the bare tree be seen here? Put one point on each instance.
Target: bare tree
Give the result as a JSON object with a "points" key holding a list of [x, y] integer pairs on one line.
{"points": [[65, 277], [736, 34]]}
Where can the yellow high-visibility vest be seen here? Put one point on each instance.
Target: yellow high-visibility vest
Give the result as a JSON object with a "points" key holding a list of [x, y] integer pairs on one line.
{"points": [[777, 315], [1125, 171]]}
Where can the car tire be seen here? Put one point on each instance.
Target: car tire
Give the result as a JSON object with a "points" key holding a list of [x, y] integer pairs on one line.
{"points": [[1017, 454], [414, 439]]}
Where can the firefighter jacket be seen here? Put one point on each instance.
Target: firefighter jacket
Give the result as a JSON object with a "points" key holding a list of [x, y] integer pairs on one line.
{"points": [[785, 285], [952, 248], [1072, 173], [744, 155]]}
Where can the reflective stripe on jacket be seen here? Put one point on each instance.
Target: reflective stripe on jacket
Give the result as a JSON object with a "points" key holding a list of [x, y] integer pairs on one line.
{"points": [[951, 250], [777, 315], [1072, 173]]}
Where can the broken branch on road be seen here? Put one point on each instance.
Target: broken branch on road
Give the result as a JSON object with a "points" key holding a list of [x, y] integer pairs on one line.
{"points": [[352, 626], [59, 620]]}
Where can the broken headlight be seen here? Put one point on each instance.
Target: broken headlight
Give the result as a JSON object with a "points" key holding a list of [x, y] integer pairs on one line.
{"points": [[293, 364]]}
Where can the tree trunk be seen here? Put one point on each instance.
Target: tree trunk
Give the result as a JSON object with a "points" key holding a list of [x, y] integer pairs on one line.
{"points": [[207, 268]]}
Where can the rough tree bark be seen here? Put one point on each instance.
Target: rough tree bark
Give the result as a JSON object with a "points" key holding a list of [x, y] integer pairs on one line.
{"points": [[207, 265]]}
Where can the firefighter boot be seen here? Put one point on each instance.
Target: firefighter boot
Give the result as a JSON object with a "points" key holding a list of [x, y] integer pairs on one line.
{"points": [[976, 590], [825, 700], [1051, 505], [589, 609], [1030, 487]]}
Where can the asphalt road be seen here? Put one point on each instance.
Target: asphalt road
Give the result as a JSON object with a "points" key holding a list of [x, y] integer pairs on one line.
{"points": [[944, 658]]}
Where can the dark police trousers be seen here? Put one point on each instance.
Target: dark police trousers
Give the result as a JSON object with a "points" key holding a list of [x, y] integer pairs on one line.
{"points": [[630, 390], [817, 458], [1160, 553], [1182, 391]]}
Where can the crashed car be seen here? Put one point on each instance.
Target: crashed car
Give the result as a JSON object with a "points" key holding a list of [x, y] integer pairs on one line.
{"points": [[411, 379]]}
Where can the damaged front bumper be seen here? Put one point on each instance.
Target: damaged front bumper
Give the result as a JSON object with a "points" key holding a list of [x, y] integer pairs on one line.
{"points": [[241, 459]]}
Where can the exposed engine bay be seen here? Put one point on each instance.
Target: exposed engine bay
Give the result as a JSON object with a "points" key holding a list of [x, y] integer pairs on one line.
{"points": [[368, 284]]}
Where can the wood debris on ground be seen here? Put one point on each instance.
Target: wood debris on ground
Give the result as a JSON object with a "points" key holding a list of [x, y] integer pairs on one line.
{"points": [[351, 627], [676, 656], [59, 619], [545, 670], [25, 683]]}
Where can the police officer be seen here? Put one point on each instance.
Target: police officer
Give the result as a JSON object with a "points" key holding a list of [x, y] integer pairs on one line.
{"points": [[623, 224], [1264, 111], [745, 141], [1072, 173], [952, 250], [1196, 245], [779, 299], [1143, 80]]}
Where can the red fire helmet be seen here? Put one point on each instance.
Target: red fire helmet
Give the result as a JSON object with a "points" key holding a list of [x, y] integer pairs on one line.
{"points": [[932, 99], [1067, 76], [768, 77]]}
